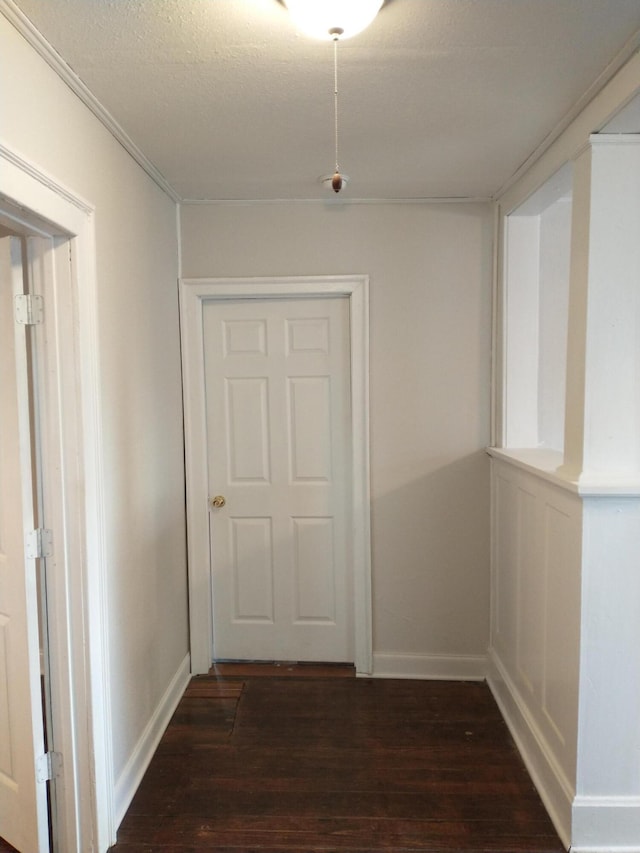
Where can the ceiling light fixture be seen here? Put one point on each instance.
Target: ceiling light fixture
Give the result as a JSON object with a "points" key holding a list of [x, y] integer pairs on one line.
{"points": [[322, 18], [335, 20]]}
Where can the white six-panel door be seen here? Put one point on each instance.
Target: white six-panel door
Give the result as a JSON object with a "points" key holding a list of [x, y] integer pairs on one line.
{"points": [[23, 803], [277, 376]]}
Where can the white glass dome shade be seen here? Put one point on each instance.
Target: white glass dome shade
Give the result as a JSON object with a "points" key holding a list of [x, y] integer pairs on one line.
{"points": [[328, 19]]}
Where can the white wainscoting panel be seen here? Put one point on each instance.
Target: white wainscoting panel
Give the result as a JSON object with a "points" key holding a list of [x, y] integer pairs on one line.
{"points": [[535, 637]]}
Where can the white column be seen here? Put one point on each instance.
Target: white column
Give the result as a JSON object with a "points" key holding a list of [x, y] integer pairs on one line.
{"points": [[606, 809], [602, 452]]}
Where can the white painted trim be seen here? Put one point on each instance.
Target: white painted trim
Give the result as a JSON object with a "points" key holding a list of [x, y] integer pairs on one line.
{"points": [[198, 557], [97, 601], [179, 238], [193, 292], [607, 848], [496, 410], [46, 196], [54, 390], [436, 667], [331, 201], [546, 465], [53, 59], [557, 186], [82, 668], [44, 179], [614, 139], [552, 784], [607, 824], [32, 729], [140, 758]]}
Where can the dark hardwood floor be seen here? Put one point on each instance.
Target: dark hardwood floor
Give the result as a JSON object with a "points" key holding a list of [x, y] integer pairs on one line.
{"points": [[296, 764]]}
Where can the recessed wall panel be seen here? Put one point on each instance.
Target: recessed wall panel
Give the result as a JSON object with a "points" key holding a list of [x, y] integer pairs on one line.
{"points": [[314, 570], [248, 429], [506, 508], [252, 569], [530, 592], [559, 701], [310, 428]]}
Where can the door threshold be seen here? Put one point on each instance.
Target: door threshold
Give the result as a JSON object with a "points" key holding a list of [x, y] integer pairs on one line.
{"points": [[282, 669]]}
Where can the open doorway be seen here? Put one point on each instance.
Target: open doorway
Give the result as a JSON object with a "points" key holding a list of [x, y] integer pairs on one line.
{"points": [[63, 615], [28, 758]]}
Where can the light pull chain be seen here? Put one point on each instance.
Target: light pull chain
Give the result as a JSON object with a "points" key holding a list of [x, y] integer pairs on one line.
{"points": [[336, 181], [335, 93]]}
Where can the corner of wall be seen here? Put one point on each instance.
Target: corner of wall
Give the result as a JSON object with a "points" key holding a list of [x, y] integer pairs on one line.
{"points": [[554, 788], [135, 768], [437, 667]]}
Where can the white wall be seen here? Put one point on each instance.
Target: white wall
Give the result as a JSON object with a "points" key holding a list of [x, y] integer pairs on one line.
{"points": [[430, 268], [555, 230], [136, 258]]}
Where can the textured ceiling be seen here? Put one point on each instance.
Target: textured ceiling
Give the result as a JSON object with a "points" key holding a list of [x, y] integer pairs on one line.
{"points": [[439, 98]]}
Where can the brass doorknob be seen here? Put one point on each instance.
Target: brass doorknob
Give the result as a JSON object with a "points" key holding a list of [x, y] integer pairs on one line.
{"points": [[218, 502]]}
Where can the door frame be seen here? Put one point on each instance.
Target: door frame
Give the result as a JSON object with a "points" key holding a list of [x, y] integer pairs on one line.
{"points": [[194, 292], [32, 202]]}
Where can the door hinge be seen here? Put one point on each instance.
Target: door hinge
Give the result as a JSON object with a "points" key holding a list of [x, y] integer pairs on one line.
{"points": [[48, 766], [29, 309], [39, 543]]}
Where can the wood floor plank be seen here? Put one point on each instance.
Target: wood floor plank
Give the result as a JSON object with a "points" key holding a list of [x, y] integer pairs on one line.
{"points": [[213, 689], [342, 804], [310, 764], [323, 769], [418, 836]]}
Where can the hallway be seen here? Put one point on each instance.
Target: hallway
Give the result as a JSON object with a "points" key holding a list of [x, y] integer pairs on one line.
{"points": [[294, 763]]}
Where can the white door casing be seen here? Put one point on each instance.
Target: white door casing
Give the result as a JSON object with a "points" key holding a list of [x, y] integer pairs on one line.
{"points": [[33, 203], [194, 294], [277, 407], [23, 800]]}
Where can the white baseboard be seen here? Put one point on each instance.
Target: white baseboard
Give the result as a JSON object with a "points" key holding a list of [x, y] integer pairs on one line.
{"points": [[607, 848], [606, 825], [136, 766], [556, 792], [436, 667]]}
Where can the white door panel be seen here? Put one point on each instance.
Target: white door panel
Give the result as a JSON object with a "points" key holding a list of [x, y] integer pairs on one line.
{"points": [[278, 435], [23, 803]]}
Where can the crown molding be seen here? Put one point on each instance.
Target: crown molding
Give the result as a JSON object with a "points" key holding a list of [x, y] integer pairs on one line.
{"points": [[331, 202], [623, 56], [53, 59]]}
